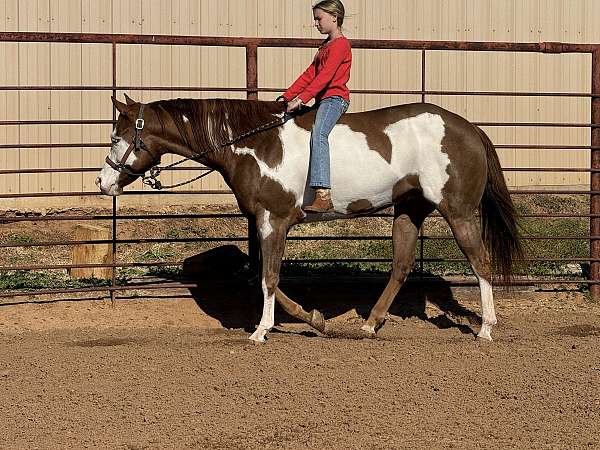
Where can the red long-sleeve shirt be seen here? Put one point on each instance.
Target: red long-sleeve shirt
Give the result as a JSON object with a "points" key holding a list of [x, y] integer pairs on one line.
{"points": [[327, 75]]}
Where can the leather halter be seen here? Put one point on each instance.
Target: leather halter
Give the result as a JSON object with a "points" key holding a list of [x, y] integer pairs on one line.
{"points": [[136, 145]]}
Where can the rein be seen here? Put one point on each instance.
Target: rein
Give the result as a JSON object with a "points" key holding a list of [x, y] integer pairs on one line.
{"points": [[152, 178]]}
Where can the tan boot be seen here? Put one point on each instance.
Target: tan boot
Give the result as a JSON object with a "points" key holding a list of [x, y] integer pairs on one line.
{"points": [[321, 203]]}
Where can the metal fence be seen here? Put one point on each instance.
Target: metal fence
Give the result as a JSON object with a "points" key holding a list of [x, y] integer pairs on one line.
{"points": [[252, 89]]}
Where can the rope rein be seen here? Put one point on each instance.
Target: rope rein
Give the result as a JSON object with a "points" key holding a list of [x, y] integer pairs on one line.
{"points": [[152, 178]]}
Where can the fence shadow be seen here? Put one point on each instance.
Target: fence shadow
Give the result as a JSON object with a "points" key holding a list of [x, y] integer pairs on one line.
{"points": [[227, 292]]}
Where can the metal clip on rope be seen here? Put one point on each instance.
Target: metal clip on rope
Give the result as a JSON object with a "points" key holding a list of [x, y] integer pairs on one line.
{"points": [[152, 178]]}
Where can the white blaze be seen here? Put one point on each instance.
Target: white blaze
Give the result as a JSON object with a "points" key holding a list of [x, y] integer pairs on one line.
{"points": [[108, 175]]}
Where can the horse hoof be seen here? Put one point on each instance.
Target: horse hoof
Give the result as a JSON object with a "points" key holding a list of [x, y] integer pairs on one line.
{"points": [[258, 337], [485, 333], [484, 337], [317, 321], [370, 330]]}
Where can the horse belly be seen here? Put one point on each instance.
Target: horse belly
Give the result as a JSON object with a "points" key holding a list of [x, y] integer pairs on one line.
{"points": [[360, 178]]}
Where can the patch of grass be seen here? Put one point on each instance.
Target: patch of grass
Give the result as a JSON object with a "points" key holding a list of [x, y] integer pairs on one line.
{"points": [[20, 238], [554, 203], [157, 253], [377, 249], [554, 248], [125, 274], [174, 272], [173, 233], [27, 279]]}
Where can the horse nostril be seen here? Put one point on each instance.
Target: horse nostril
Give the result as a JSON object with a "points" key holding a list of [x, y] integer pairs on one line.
{"points": [[98, 181]]}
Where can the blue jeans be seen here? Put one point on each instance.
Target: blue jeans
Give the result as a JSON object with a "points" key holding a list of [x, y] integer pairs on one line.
{"points": [[329, 111]]}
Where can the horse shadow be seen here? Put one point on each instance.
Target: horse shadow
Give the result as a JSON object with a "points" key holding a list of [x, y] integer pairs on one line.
{"points": [[229, 291]]}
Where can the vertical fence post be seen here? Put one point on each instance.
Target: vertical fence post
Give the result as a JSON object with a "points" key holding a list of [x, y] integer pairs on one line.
{"points": [[421, 230], [252, 94], [113, 282], [595, 177]]}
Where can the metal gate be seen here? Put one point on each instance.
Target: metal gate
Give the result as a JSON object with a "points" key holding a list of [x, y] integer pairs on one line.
{"points": [[252, 89]]}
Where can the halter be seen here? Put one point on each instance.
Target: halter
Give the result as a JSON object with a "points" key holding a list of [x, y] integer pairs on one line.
{"points": [[136, 145], [152, 178]]}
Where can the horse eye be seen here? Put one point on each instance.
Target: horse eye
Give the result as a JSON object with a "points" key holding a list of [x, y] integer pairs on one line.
{"points": [[114, 140]]}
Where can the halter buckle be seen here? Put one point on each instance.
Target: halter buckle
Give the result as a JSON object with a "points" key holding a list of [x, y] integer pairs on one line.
{"points": [[139, 124]]}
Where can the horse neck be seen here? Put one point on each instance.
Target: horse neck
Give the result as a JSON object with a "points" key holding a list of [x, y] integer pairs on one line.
{"points": [[208, 151], [217, 154]]}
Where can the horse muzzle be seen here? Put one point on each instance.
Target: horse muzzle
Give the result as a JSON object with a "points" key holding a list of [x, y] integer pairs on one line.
{"points": [[112, 190]]}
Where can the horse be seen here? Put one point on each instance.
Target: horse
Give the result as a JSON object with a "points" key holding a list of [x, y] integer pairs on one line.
{"points": [[416, 158]]}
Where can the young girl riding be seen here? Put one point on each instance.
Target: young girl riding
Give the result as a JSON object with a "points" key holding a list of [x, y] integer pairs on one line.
{"points": [[325, 80]]}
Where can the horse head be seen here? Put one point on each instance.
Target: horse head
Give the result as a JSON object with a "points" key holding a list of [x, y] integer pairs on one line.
{"points": [[137, 145]]}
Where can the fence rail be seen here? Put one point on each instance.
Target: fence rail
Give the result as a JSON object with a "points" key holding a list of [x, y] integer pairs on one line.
{"points": [[252, 89]]}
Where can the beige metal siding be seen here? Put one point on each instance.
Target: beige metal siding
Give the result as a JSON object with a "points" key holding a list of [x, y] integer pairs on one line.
{"points": [[9, 100], [474, 20]]}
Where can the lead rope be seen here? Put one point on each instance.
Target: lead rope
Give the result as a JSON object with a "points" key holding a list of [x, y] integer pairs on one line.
{"points": [[152, 178]]}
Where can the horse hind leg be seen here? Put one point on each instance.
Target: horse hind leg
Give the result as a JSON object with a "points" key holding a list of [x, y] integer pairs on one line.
{"points": [[408, 218], [467, 232]]}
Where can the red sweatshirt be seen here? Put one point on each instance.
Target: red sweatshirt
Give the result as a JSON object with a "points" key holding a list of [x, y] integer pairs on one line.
{"points": [[327, 75]]}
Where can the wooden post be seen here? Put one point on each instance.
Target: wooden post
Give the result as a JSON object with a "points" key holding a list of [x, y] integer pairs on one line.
{"points": [[92, 253]]}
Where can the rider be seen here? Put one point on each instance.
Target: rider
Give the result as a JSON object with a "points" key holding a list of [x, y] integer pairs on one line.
{"points": [[325, 81]]}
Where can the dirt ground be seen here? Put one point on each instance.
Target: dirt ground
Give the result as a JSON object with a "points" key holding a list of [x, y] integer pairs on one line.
{"points": [[161, 371]]}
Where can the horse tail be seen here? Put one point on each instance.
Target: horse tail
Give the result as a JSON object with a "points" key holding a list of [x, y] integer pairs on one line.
{"points": [[499, 225]]}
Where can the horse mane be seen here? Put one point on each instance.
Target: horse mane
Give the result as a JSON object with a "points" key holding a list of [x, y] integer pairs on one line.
{"points": [[212, 120]]}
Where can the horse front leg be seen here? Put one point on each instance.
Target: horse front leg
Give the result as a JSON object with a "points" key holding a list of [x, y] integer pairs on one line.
{"points": [[272, 234]]}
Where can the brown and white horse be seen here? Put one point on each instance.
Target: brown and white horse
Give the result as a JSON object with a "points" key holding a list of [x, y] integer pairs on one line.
{"points": [[415, 157]]}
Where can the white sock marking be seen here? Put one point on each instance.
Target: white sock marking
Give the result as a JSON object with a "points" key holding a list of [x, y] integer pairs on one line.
{"points": [[488, 313], [268, 315]]}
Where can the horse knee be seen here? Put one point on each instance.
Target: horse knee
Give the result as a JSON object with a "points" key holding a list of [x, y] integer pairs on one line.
{"points": [[401, 268], [270, 282]]}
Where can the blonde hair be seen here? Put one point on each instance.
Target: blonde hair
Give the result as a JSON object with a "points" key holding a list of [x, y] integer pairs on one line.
{"points": [[333, 7]]}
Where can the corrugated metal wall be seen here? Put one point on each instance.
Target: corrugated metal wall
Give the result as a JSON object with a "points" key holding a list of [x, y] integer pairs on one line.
{"points": [[474, 20]]}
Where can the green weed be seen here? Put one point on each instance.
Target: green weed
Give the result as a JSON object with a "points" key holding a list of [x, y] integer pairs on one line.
{"points": [[28, 279]]}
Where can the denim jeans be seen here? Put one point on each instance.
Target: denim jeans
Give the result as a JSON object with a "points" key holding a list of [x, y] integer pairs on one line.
{"points": [[329, 111]]}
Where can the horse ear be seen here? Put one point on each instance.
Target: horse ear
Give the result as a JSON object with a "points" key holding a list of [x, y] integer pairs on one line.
{"points": [[129, 100], [121, 107]]}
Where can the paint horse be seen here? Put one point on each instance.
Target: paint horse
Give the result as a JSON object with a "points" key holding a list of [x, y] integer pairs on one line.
{"points": [[415, 157]]}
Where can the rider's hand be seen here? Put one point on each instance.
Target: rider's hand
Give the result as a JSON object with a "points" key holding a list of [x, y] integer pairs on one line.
{"points": [[294, 104]]}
